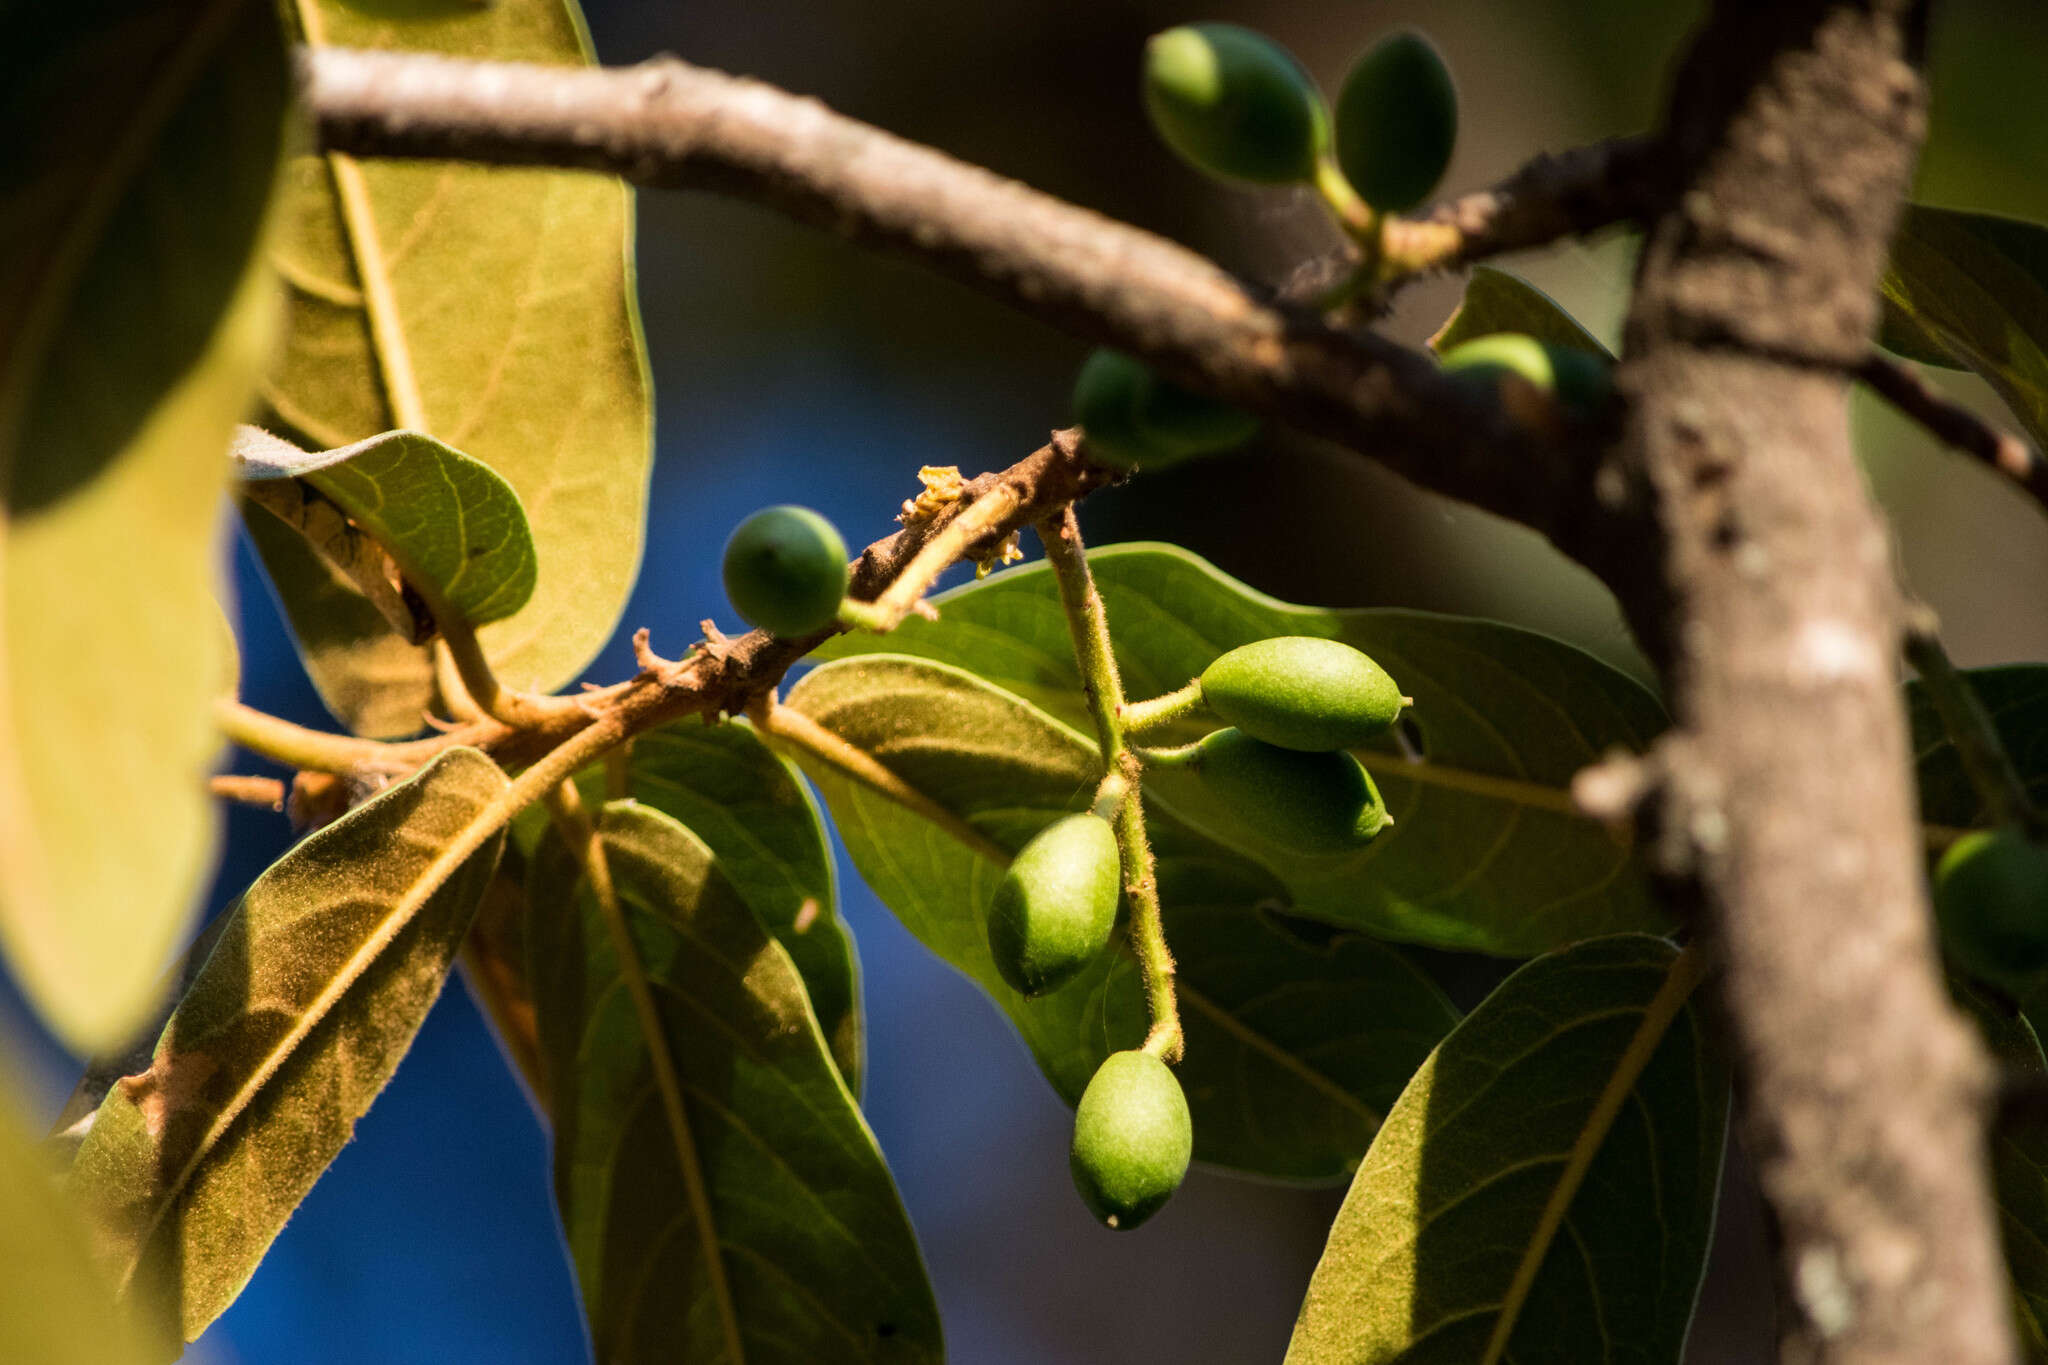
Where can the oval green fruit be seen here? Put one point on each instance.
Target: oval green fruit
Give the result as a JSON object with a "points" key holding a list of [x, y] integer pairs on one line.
{"points": [[1132, 1139], [1133, 417], [1579, 378], [1396, 122], [1056, 905], [1300, 692], [1308, 802], [1234, 103], [785, 570], [1991, 897]]}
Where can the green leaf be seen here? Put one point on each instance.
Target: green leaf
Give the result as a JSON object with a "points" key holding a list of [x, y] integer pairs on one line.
{"points": [[2016, 696], [1544, 1190], [492, 309], [1970, 291], [453, 528], [723, 1197], [751, 808], [142, 140], [1496, 301], [55, 1306], [303, 1009], [1298, 1037], [2019, 1166], [1486, 853]]}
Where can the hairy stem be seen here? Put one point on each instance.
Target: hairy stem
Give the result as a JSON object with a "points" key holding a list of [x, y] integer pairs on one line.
{"points": [[1157, 713], [1088, 623], [518, 710]]}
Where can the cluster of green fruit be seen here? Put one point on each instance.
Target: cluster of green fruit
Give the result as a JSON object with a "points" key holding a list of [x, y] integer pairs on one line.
{"points": [[1991, 898], [1236, 105], [1294, 705]]}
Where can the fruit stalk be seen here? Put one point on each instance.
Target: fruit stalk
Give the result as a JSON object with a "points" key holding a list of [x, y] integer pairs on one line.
{"points": [[1088, 624]]}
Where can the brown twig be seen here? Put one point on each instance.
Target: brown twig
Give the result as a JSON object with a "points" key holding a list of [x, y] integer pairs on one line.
{"points": [[723, 676], [1955, 425], [267, 792]]}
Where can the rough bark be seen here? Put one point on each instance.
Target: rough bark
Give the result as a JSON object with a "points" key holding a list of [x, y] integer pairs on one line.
{"points": [[1863, 1094]]}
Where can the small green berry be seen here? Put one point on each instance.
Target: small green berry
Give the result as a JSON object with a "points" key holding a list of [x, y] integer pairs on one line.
{"points": [[1578, 378], [1056, 905], [1300, 692], [1132, 1139], [1234, 104], [1134, 417], [785, 570], [1991, 896], [1308, 802], [1397, 121]]}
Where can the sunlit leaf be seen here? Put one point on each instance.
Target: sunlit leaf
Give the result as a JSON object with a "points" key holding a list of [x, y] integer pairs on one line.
{"points": [[492, 309], [1505, 1213], [56, 1307], [1970, 291], [722, 1196], [1297, 1037], [319, 981], [1486, 853], [453, 528], [141, 141], [1496, 301]]}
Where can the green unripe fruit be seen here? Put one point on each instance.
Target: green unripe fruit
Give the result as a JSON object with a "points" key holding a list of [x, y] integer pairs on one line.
{"points": [[1578, 378], [1300, 692], [1991, 896], [1234, 103], [1309, 802], [1397, 121], [1055, 907], [1132, 1139], [785, 570], [1134, 417]]}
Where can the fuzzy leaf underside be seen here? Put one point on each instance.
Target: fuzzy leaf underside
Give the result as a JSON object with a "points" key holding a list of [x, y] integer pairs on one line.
{"points": [[492, 309], [320, 978]]}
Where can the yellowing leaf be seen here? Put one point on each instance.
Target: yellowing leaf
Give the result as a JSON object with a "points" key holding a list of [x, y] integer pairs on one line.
{"points": [[492, 309], [723, 1198], [313, 993], [141, 142]]}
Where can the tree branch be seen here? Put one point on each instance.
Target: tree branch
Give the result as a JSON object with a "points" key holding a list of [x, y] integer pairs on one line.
{"points": [[1775, 620], [677, 126], [1955, 425]]}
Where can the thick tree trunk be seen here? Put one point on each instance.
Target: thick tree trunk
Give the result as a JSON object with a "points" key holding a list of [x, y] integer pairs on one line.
{"points": [[1788, 781]]}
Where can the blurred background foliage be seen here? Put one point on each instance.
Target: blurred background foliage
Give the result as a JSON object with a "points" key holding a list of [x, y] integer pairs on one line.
{"points": [[790, 367]]}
